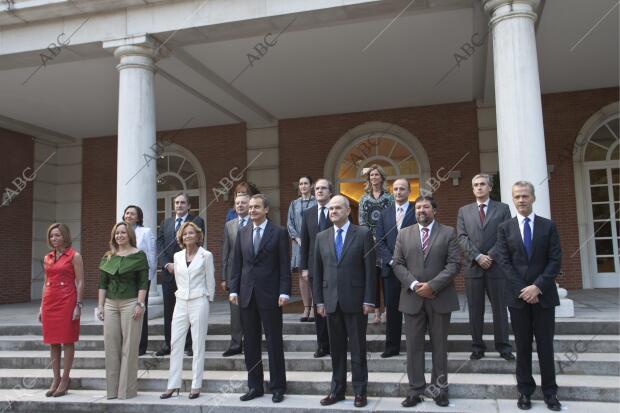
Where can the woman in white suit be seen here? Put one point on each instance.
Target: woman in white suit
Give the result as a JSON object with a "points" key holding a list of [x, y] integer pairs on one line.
{"points": [[194, 276], [145, 241]]}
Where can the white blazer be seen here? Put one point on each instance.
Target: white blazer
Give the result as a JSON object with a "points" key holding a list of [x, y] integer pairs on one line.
{"points": [[196, 280], [145, 240]]}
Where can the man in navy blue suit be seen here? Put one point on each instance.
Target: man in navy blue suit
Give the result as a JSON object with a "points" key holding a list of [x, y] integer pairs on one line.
{"points": [[530, 253], [392, 220], [261, 285]]}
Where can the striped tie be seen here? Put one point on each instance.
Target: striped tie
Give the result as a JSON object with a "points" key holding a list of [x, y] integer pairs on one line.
{"points": [[425, 241]]}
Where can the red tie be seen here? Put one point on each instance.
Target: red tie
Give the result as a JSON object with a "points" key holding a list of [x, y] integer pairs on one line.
{"points": [[482, 213], [425, 241]]}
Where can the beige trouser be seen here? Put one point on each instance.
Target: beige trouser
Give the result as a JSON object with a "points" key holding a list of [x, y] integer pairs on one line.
{"points": [[188, 314], [121, 335]]}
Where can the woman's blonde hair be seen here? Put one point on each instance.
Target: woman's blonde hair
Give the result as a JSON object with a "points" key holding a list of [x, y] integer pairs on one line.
{"points": [[367, 184], [196, 228], [64, 231], [114, 245]]}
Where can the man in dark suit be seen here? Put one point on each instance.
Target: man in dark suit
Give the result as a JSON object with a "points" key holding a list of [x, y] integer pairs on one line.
{"points": [[167, 246], [477, 235], [392, 220], [231, 229], [344, 290], [426, 260], [261, 285], [530, 253], [315, 220]]}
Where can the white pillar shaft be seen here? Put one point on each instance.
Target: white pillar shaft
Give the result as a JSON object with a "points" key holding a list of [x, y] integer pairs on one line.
{"points": [[520, 132], [136, 170]]}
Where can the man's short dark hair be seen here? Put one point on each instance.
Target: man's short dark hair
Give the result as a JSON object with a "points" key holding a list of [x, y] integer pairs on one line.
{"points": [[263, 197], [427, 198]]}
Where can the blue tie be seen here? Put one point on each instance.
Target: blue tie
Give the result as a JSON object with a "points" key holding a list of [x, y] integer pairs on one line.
{"points": [[527, 237], [176, 227], [339, 244], [241, 223]]}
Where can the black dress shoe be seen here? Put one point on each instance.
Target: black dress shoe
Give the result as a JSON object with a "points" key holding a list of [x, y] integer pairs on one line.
{"points": [[194, 395], [164, 351], [411, 401], [388, 354], [476, 355], [169, 394], [141, 352], [277, 396], [442, 400], [360, 400], [524, 402], [320, 353], [331, 399], [190, 352], [251, 394], [231, 352], [553, 403], [507, 356]]}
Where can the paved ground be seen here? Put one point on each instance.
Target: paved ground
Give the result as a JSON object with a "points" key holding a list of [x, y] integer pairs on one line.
{"points": [[597, 304]]}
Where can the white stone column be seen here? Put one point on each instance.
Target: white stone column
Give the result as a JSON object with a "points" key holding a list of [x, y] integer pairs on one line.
{"points": [[520, 133], [136, 152], [136, 172]]}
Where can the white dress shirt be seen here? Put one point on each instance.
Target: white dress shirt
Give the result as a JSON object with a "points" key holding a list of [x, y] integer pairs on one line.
{"points": [[521, 220], [145, 241]]}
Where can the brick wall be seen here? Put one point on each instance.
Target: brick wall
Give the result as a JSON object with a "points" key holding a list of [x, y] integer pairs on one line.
{"points": [[218, 149], [447, 132], [16, 233], [564, 115]]}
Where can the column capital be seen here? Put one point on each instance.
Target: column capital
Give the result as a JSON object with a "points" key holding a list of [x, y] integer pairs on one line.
{"points": [[506, 9], [133, 52]]}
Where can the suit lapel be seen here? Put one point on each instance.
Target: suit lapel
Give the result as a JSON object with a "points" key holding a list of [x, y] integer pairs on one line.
{"points": [[491, 207], [409, 216], [269, 230], [431, 240], [351, 233], [313, 220], [331, 243], [537, 234], [518, 238]]}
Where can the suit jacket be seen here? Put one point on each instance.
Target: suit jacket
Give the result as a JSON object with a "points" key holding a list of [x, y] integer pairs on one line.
{"points": [[231, 229], [167, 243], [387, 232], [309, 231], [268, 273], [350, 282], [540, 269], [475, 238], [438, 268], [197, 279]]}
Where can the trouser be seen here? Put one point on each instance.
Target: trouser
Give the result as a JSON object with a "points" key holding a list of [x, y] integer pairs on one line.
{"points": [[236, 333], [144, 336], [348, 328], [121, 335], [394, 322], [188, 314], [475, 289], [533, 321], [168, 290]]}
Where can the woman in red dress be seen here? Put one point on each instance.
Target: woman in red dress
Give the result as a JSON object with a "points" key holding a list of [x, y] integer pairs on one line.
{"points": [[61, 305]]}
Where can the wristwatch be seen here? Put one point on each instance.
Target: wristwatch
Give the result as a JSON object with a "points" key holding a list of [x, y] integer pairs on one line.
{"points": [[141, 305], [79, 304]]}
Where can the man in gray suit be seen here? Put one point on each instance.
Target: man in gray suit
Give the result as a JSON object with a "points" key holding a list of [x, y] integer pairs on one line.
{"points": [[477, 235], [344, 289], [231, 228], [426, 260]]}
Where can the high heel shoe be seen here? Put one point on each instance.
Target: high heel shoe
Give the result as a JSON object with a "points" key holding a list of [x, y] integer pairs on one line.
{"points": [[52, 389], [63, 392], [168, 395], [306, 315], [194, 395]]}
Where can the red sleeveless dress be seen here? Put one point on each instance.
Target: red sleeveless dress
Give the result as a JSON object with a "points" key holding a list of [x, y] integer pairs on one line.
{"points": [[59, 300]]}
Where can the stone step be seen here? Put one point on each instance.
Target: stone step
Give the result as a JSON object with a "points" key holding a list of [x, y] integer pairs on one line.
{"points": [[460, 326], [462, 385], [93, 401], [596, 364], [576, 344]]}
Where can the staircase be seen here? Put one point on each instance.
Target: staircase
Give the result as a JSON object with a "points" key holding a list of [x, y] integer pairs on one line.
{"points": [[587, 365]]}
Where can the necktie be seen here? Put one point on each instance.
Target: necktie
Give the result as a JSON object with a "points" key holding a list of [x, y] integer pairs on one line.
{"points": [[176, 227], [425, 241], [256, 239], [482, 213], [339, 244], [400, 214], [241, 223], [322, 220], [527, 237]]}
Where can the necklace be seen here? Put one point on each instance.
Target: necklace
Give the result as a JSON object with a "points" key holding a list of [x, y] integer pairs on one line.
{"points": [[189, 256]]}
